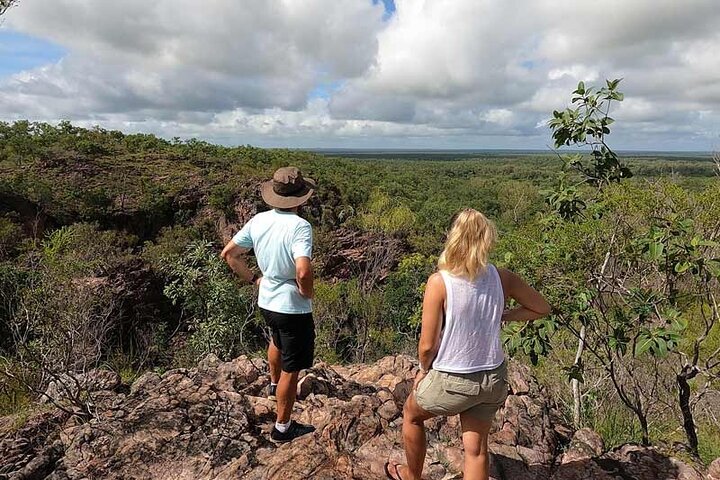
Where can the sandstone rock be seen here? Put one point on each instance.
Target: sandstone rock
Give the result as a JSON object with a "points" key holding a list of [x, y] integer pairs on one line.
{"points": [[394, 373], [714, 470], [645, 462], [146, 382], [518, 376], [35, 439], [585, 444], [345, 251], [209, 362], [67, 386], [236, 375], [212, 422]]}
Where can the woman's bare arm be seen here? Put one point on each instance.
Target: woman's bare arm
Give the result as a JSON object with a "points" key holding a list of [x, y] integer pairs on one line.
{"points": [[432, 315], [532, 304]]}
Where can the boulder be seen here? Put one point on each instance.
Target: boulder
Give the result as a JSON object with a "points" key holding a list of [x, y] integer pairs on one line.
{"points": [[585, 444]]}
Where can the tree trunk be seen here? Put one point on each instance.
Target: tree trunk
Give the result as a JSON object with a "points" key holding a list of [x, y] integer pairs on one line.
{"points": [[577, 397], [688, 420], [644, 427]]}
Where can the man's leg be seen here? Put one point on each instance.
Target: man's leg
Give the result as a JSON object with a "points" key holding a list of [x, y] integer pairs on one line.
{"points": [[414, 438], [475, 441], [286, 392], [296, 337], [275, 361], [298, 343]]}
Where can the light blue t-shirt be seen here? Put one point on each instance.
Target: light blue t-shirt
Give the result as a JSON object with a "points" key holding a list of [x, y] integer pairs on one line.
{"points": [[278, 238]]}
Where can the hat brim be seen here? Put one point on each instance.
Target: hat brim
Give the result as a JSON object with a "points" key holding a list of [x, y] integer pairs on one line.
{"points": [[287, 201]]}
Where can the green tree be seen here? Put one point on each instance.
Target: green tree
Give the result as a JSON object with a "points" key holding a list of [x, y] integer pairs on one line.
{"points": [[386, 214], [629, 280]]}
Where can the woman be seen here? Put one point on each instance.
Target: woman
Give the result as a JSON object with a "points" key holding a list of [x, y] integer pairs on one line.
{"points": [[462, 364]]}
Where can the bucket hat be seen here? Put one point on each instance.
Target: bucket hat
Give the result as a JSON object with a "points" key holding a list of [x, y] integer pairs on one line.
{"points": [[287, 189]]}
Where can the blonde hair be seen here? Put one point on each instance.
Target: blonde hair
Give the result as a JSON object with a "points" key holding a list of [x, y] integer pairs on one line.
{"points": [[468, 245]]}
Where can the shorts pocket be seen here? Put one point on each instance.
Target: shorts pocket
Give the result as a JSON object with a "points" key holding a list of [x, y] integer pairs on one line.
{"points": [[460, 385], [425, 383], [501, 385]]}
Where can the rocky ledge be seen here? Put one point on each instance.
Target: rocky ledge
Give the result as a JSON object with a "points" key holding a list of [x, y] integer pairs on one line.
{"points": [[212, 422]]}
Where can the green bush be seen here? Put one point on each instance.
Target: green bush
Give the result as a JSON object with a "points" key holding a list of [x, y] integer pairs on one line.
{"points": [[10, 236], [219, 314], [352, 324], [222, 199], [404, 291], [386, 214]]}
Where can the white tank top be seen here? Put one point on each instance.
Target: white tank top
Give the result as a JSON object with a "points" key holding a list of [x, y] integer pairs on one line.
{"points": [[470, 339]]}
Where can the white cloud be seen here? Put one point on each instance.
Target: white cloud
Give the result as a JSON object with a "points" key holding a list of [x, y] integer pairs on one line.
{"points": [[577, 72], [500, 116], [453, 72]]}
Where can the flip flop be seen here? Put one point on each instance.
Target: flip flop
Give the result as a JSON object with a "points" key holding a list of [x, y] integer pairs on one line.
{"points": [[396, 466]]}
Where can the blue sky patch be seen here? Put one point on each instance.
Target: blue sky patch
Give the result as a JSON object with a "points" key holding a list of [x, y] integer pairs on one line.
{"points": [[324, 89], [389, 7], [19, 52]]}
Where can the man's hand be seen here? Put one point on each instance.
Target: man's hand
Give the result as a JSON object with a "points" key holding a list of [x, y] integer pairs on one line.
{"points": [[258, 280], [233, 255]]}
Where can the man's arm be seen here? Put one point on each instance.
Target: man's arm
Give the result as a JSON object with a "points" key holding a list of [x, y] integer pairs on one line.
{"points": [[302, 253], [304, 276], [233, 254]]}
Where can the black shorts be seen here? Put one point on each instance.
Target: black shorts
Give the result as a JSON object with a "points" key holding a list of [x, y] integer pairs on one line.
{"points": [[294, 336]]}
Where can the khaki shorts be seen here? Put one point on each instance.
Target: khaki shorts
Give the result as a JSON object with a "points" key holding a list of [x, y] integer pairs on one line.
{"points": [[479, 394]]}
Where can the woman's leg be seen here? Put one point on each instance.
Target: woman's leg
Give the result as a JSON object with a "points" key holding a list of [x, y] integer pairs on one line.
{"points": [[414, 438], [475, 441]]}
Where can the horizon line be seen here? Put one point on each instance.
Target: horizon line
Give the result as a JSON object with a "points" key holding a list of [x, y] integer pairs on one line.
{"points": [[471, 150]]}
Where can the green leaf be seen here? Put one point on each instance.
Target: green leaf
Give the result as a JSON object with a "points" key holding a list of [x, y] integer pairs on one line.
{"points": [[644, 344], [575, 372], [681, 267], [655, 250], [713, 266]]}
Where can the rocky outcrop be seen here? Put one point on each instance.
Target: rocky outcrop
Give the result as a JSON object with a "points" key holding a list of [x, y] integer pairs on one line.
{"points": [[212, 422], [65, 386], [344, 253]]}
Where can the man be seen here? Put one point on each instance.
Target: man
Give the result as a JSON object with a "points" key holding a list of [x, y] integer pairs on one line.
{"points": [[282, 242]]}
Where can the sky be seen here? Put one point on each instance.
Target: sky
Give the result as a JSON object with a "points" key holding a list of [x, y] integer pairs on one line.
{"points": [[425, 74]]}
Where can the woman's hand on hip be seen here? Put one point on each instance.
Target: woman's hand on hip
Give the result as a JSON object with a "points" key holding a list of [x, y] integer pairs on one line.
{"points": [[419, 378]]}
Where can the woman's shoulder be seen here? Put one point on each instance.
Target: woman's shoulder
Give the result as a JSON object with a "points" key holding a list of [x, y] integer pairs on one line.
{"points": [[435, 277], [435, 280]]}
